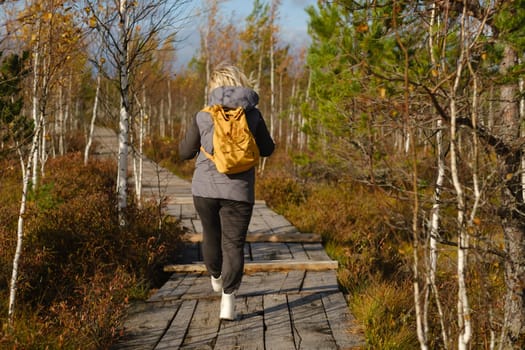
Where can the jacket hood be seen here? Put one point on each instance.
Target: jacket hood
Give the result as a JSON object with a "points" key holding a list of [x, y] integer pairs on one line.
{"points": [[233, 97]]}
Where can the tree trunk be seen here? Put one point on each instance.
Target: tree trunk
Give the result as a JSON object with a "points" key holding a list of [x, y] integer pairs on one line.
{"points": [[122, 183], [20, 227], [436, 207], [513, 223], [92, 124]]}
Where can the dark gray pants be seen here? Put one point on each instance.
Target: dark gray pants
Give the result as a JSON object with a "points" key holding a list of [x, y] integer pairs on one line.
{"points": [[224, 224]]}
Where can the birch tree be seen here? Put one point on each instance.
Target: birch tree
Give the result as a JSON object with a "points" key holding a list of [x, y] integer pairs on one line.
{"points": [[127, 28], [434, 235]]}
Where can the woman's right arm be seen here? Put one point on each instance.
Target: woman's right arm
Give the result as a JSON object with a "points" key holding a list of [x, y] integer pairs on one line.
{"points": [[190, 144], [264, 139]]}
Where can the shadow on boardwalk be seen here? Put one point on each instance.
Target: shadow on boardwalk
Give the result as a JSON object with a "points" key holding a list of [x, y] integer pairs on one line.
{"points": [[289, 297]]}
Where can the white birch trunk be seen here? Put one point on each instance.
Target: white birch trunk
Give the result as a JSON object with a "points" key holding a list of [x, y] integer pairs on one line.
{"points": [[138, 164], [302, 136], [436, 206], [92, 123], [463, 309], [20, 227], [34, 109], [60, 121], [162, 121], [272, 84], [43, 148], [122, 182], [170, 114], [67, 111], [291, 118]]}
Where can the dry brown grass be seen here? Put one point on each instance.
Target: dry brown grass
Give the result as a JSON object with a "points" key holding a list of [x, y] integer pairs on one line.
{"points": [[79, 269]]}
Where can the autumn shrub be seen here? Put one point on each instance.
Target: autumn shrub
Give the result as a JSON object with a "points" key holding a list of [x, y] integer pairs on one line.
{"points": [[165, 152], [78, 267], [385, 309], [346, 214], [362, 228]]}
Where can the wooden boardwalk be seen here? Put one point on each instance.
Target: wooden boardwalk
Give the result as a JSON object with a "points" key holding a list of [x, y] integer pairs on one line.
{"points": [[289, 297]]}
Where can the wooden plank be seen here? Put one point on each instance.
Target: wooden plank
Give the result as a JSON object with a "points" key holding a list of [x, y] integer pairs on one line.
{"points": [[346, 332], [298, 252], [188, 254], [174, 336], [257, 225], [188, 211], [293, 281], [311, 328], [145, 325], [279, 224], [287, 265], [316, 252], [264, 266], [187, 224], [173, 210], [181, 200], [247, 332], [320, 282], [274, 251], [247, 252], [165, 292], [263, 236], [204, 326], [279, 334], [197, 224], [201, 288], [261, 283], [168, 292]]}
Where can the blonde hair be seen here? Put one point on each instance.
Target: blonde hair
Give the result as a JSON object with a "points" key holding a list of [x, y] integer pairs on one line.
{"points": [[227, 75]]}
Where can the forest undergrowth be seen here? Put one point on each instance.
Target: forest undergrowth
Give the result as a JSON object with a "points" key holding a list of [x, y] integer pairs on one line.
{"points": [[79, 270]]}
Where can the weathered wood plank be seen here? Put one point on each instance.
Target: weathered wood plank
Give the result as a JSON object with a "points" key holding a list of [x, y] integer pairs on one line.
{"points": [[279, 224], [201, 288], [173, 210], [311, 329], [187, 224], [264, 266], [181, 200], [175, 290], [274, 251], [293, 281], [165, 292], [247, 332], [257, 225], [197, 223], [261, 283], [190, 253], [298, 252], [204, 326], [346, 333], [265, 235], [174, 336], [145, 325], [316, 252], [187, 211], [320, 282], [279, 333]]}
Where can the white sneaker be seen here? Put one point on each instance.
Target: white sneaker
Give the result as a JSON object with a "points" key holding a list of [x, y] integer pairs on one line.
{"points": [[216, 284], [227, 307]]}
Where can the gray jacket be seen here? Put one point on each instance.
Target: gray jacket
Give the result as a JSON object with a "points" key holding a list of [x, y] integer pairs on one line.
{"points": [[207, 181]]}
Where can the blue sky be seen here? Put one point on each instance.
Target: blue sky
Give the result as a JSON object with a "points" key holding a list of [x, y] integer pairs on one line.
{"points": [[292, 21]]}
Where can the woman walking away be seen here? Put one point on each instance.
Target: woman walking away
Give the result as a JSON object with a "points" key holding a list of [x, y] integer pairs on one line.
{"points": [[224, 202]]}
